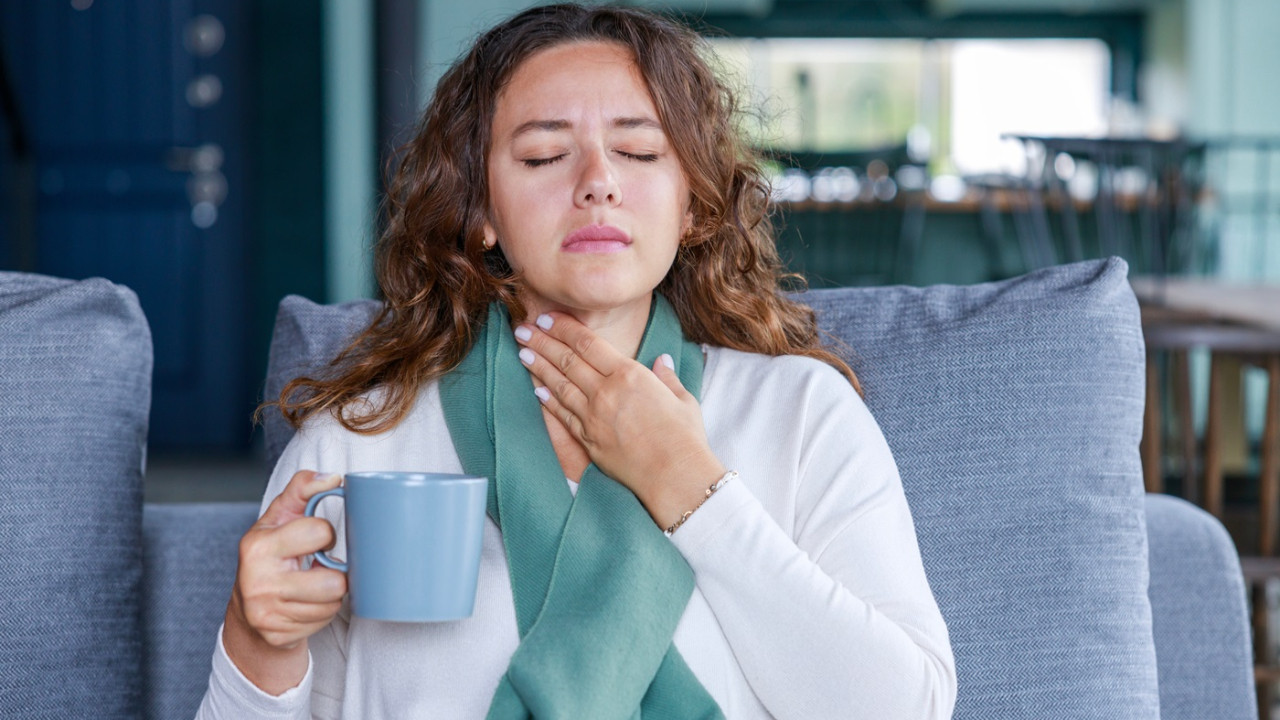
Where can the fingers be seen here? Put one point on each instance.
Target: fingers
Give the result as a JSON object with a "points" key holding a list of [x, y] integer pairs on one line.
{"points": [[570, 395], [566, 417], [664, 368], [292, 501], [279, 601], [283, 624], [572, 348], [319, 585], [310, 613], [299, 537]]}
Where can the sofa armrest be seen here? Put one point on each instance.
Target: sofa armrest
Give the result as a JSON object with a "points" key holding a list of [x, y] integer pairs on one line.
{"points": [[189, 563], [1199, 617]]}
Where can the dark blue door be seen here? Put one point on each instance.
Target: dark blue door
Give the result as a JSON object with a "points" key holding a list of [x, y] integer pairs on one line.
{"points": [[134, 110]]}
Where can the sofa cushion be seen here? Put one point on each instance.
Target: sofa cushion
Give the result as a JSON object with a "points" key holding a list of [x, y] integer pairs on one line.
{"points": [[1014, 411], [75, 376], [1199, 615], [190, 553], [306, 337]]}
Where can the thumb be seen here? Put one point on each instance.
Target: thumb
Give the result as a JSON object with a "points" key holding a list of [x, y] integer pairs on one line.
{"points": [[664, 368]]}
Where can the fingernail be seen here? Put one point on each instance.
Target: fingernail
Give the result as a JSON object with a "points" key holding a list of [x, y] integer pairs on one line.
{"points": [[545, 322], [666, 360], [542, 393], [526, 356], [523, 333]]}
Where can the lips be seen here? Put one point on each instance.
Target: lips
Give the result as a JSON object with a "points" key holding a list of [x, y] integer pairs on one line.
{"points": [[596, 239]]}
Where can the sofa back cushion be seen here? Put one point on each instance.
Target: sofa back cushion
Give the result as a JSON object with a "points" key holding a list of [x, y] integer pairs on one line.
{"points": [[1014, 411], [75, 376], [190, 554], [1198, 615], [306, 337]]}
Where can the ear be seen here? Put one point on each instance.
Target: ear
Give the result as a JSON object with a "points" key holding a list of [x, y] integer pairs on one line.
{"points": [[490, 235], [686, 224]]}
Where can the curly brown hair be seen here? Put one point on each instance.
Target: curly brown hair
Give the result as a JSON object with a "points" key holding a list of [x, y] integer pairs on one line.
{"points": [[437, 278]]}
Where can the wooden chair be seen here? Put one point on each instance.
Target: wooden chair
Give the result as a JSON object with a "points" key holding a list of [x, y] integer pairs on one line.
{"points": [[1251, 346]]}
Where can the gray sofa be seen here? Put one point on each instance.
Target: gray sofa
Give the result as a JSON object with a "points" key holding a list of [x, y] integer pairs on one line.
{"points": [[1014, 411]]}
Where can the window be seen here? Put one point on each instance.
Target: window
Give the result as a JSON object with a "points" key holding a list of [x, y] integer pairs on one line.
{"points": [[948, 101]]}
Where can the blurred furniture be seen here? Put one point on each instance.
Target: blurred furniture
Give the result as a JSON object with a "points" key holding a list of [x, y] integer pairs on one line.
{"points": [[1251, 346], [1013, 410], [1239, 326], [1164, 205], [1143, 199], [851, 217], [1231, 321], [998, 194]]}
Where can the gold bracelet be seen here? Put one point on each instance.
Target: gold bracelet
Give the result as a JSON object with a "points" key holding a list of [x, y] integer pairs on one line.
{"points": [[714, 487]]}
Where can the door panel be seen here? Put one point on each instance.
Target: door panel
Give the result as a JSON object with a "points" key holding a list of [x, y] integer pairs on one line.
{"points": [[137, 124]]}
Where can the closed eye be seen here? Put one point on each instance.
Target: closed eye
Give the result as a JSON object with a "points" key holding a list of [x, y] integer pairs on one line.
{"points": [[539, 162], [641, 157]]}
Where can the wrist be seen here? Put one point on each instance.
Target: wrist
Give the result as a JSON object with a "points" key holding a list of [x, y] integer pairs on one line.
{"points": [[711, 490], [684, 492]]}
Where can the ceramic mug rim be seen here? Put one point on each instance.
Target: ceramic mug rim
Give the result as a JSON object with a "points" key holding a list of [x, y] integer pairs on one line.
{"points": [[408, 477]]}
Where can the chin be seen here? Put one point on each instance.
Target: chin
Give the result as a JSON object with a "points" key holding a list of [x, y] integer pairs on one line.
{"points": [[598, 292]]}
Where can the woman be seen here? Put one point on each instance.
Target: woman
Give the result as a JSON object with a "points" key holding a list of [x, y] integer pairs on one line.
{"points": [[577, 197]]}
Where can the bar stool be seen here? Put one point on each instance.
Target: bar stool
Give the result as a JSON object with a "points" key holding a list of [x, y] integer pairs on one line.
{"points": [[1177, 334], [1252, 346]]}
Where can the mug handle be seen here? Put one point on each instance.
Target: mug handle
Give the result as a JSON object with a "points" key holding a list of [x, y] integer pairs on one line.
{"points": [[320, 555]]}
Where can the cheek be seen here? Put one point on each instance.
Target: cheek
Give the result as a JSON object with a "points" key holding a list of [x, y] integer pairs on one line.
{"points": [[511, 208], [664, 199]]}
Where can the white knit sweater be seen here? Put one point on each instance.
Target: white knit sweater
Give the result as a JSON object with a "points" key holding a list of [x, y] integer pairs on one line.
{"points": [[811, 600]]}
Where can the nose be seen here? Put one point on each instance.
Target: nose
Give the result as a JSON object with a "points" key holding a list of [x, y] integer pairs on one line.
{"points": [[597, 183]]}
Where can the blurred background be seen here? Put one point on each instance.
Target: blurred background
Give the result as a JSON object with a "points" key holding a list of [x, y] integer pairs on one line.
{"points": [[217, 155]]}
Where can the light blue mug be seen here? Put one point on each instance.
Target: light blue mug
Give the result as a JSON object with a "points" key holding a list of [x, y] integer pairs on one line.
{"points": [[413, 543]]}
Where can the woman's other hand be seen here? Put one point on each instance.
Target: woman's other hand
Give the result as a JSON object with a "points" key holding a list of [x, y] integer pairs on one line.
{"points": [[276, 604], [639, 426]]}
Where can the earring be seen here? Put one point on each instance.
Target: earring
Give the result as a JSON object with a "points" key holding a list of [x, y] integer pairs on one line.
{"points": [[489, 243]]}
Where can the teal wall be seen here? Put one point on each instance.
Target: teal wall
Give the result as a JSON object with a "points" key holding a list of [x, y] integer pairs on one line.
{"points": [[1233, 62], [350, 141], [447, 28]]}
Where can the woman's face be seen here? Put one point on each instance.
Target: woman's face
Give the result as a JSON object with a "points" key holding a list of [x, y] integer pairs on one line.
{"points": [[587, 199]]}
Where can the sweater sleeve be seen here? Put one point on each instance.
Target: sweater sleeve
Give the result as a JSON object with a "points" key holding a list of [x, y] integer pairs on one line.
{"points": [[231, 695], [832, 617]]}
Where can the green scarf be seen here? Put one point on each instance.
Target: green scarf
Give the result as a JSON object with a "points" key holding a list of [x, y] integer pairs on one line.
{"points": [[598, 589]]}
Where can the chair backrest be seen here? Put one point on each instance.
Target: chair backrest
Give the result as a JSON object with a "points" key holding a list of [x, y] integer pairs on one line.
{"points": [[1014, 411], [75, 378]]}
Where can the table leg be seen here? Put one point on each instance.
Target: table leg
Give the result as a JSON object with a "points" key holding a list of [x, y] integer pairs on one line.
{"points": [[1152, 473], [1269, 477], [1213, 441], [1181, 372]]}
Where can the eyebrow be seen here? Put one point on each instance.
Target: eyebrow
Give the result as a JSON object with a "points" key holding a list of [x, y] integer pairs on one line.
{"points": [[625, 123]]}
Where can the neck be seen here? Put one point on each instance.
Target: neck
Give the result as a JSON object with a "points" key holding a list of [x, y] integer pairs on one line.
{"points": [[621, 327]]}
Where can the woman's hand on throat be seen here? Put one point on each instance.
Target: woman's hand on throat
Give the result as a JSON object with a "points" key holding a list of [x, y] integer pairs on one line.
{"points": [[638, 425]]}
